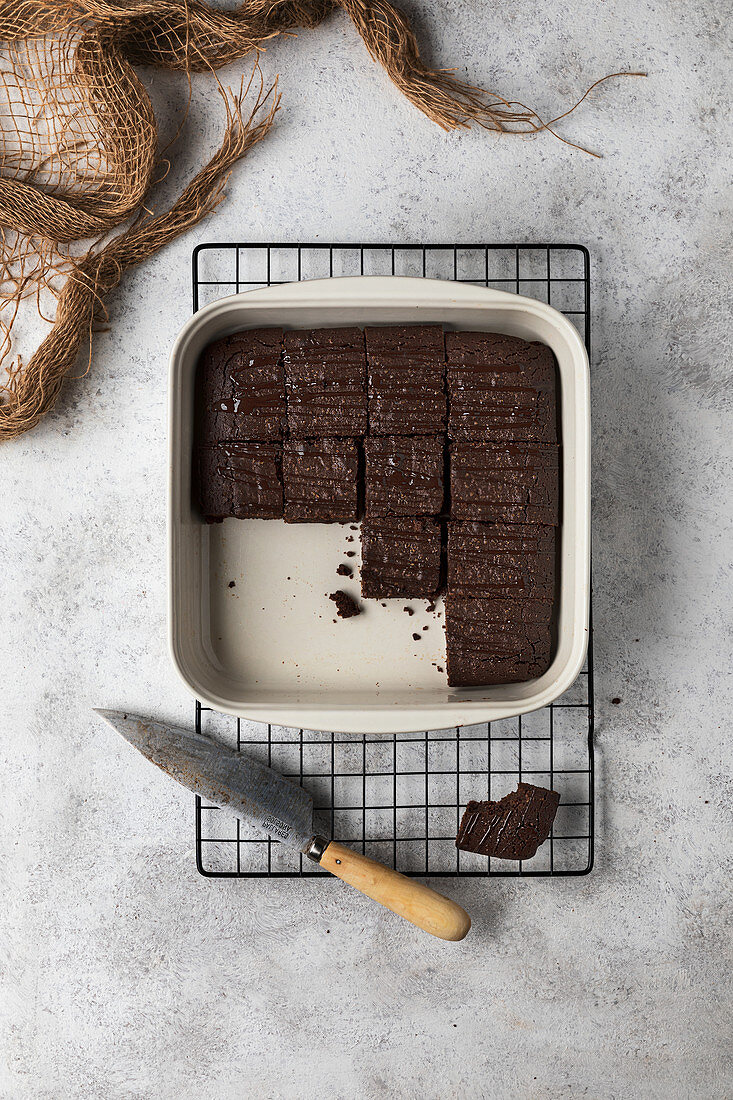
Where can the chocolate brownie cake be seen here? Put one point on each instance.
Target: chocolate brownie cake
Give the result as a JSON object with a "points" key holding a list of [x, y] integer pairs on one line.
{"points": [[501, 559], [512, 828], [320, 480], [406, 380], [400, 557], [497, 641], [500, 388], [240, 479], [240, 390], [504, 482], [325, 378], [282, 420], [404, 475]]}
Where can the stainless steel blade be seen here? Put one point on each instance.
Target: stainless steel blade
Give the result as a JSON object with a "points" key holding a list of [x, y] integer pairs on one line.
{"points": [[232, 780]]}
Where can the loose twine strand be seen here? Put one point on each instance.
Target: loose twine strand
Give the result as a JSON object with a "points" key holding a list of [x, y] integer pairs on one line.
{"points": [[79, 145]]}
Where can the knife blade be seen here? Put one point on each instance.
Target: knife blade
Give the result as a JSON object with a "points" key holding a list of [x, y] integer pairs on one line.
{"points": [[229, 779], [272, 804]]}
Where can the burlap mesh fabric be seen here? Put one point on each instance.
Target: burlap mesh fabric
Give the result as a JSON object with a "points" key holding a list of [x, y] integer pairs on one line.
{"points": [[79, 146]]}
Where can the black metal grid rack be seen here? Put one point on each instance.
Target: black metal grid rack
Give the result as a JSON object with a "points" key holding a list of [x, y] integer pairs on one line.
{"points": [[399, 798]]}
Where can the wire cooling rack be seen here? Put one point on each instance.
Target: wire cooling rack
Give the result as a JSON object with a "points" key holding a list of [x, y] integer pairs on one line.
{"points": [[399, 798]]}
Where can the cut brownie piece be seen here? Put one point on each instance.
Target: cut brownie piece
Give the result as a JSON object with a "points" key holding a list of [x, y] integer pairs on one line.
{"points": [[325, 378], [512, 828], [240, 388], [505, 482], [404, 476], [406, 380], [320, 480], [497, 641], [240, 479], [400, 558], [501, 559], [500, 388]]}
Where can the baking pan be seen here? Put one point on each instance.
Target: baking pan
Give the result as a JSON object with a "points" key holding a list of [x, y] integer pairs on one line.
{"points": [[267, 648]]}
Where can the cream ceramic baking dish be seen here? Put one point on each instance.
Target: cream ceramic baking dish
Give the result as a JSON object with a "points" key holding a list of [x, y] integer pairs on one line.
{"points": [[266, 647]]}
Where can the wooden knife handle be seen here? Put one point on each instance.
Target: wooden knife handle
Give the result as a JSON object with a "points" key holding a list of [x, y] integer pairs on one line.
{"points": [[407, 897]]}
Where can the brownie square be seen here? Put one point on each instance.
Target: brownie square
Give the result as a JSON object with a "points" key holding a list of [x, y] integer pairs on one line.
{"points": [[325, 379], [501, 560], [502, 641], [505, 482], [406, 380], [500, 388], [240, 388], [320, 480], [511, 828], [241, 479], [400, 558], [404, 475]]}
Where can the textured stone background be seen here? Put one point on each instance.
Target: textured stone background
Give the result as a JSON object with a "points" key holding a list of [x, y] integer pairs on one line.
{"points": [[127, 975]]}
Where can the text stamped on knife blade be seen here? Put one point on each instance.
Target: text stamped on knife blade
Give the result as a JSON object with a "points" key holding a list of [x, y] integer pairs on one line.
{"points": [[275, 827]]}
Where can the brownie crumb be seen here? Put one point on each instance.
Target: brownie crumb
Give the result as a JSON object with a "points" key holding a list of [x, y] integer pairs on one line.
{"points": [[231, 584], [409, 610], [344, 570], [425, 628], [417, 637], [353, 527], [439, 668], [431, 606], [349, 538], [346, 607], [616, 701], [351, 553]]}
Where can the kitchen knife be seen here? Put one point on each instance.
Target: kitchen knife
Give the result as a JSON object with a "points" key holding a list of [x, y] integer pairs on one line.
{"points": [[283, 810]]}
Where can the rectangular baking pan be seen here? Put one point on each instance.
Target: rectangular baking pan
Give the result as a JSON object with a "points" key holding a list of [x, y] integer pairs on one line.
{"points": [[267, 648]]}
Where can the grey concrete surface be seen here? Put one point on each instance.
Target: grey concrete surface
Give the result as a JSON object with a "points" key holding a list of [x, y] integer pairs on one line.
{"points": [[127, 976]]}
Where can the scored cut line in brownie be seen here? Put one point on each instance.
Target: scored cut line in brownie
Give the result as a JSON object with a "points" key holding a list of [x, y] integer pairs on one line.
{"points": [[400, 557], [504, 482], [406, 367], [500, 559], [240, 388], [497, 641], [512, 828], [325, 379], [240, 479], [500, 388], [320, 480], [404, 475]]}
